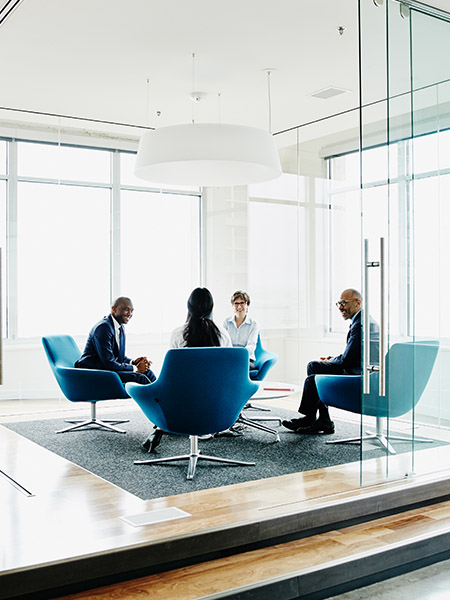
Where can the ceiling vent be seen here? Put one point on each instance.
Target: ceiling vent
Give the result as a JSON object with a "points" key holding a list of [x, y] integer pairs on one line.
{"points": [[329, 92]]}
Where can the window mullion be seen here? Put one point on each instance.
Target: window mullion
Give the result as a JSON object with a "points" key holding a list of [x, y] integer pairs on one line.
{"points": [[11, 276], [115, 228]]}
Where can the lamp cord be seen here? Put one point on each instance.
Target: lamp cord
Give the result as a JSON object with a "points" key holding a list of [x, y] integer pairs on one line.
{"points": [[148, 101], [193, 86]]}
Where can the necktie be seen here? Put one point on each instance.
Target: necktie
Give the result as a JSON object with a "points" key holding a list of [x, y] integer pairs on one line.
{"points": [[122, 344]]}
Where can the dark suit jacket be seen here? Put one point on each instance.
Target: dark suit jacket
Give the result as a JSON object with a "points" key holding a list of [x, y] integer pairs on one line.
{"points": [[101, 350], [350, 359]]}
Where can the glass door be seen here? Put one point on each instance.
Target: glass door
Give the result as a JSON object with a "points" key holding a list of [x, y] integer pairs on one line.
{"points": [[404, 129]]}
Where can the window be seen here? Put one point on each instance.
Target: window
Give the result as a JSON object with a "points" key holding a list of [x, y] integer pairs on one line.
{"points": [[74, 237], [48, 161], [278, 254], [159, 257], [63, 261]]}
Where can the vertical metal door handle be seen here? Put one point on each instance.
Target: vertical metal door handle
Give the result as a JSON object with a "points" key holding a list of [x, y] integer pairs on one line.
{"points": [[367, 367], [382, 381], [366, 340]]}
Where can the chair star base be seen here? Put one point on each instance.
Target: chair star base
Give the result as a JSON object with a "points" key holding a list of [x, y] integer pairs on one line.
{"points": [[383, 440], [256, 425], [94, 423], [250, 406], [193, 457]]}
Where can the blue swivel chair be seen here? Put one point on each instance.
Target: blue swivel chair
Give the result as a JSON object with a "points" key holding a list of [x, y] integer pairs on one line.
{"points": [[264, 361], [408, 369], [82, 385], [199, 391]]}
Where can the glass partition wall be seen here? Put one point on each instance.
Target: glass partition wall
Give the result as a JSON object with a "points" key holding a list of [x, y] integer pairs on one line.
{"points": [[403, 137], [363, 203]]}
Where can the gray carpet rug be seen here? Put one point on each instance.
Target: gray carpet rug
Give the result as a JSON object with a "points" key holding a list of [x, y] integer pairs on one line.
{"points": [[111, 455]]}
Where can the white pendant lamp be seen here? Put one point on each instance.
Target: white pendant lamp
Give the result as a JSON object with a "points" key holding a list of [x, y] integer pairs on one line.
{"points": [[207, 154]]}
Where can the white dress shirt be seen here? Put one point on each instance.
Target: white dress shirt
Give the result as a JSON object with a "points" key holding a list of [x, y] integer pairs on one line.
{"points": [[117, 327], [177, 341], [245, 336]]}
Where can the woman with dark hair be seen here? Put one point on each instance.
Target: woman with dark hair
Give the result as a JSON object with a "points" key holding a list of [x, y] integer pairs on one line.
{"points": [[242, 329], [199, 329]]}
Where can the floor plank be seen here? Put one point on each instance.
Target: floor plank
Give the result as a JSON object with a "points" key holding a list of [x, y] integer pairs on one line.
{"points": [[245, 569]]}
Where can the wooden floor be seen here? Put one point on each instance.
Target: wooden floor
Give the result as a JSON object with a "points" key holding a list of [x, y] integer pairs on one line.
{"points": [[56, 514], [241, 572]]}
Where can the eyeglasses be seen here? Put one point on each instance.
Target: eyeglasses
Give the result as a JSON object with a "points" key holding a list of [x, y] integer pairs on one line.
{"points": [[343, 303], [239, 303]]}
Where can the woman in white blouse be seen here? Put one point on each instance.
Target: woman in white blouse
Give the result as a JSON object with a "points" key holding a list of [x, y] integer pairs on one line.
{"points": [[199, 329], [243, 330]]}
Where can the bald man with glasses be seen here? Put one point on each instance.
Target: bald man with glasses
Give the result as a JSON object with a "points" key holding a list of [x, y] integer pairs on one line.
{"points": [[347, 363]]}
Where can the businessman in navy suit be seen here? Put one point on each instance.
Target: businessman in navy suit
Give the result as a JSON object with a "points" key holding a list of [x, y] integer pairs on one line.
{"points": [[347, 363], [105, 347]]}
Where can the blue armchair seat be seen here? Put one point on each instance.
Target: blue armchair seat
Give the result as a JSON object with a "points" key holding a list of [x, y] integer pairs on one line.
{"points": [[82, 385]]}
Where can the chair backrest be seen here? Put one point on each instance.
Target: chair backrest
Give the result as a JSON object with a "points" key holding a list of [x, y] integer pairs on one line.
{"points": [[61, 350], [199, 390], [408, 369], [264, 361]]}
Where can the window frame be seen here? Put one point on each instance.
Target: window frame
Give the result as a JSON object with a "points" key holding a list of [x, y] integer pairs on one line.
{"points": [[115, 188]]}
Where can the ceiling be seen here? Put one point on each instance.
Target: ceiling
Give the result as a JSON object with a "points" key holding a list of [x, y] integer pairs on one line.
{"points": [[127, 62]]}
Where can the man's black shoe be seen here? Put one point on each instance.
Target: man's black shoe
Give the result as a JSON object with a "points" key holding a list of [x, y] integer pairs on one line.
{"points": [[294, 424], [319, 426], [153, 440]]}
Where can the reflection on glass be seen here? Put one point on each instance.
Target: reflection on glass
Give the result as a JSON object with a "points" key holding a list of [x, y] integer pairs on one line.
{"points": [[344, 171], [63, 258], [431, 153], [283, 188], [379, 164], [345, 230]]}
